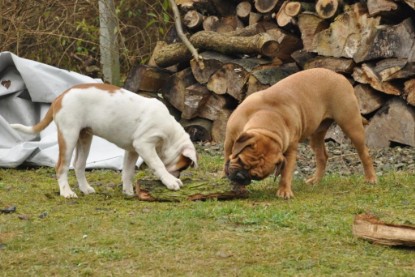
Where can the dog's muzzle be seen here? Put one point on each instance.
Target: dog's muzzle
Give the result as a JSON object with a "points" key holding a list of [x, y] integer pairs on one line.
{"points": [[237, 175]]}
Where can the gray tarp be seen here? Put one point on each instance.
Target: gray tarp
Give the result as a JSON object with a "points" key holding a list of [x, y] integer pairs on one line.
{"points": [[26, 89]]}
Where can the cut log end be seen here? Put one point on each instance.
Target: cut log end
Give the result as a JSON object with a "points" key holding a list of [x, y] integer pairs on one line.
{"points": [[326, 8]]}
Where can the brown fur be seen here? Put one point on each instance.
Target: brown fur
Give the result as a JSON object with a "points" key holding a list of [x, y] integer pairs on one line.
{"points": [[263, 133]]}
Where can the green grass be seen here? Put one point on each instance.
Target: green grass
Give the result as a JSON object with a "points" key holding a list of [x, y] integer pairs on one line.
{"points": [[108, 235]]}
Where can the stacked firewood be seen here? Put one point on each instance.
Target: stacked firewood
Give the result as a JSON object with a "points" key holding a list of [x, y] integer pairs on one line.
{"points": [[247, 46]]}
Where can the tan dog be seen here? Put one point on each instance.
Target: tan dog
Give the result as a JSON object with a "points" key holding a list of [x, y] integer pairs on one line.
{"points": [[263, 133]]}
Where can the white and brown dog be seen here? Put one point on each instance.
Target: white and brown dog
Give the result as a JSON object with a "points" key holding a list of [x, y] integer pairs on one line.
{"points": [[141, 126]]}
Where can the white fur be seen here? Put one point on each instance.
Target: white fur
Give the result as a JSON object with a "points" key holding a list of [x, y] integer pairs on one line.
{"points": [[142, 126]]}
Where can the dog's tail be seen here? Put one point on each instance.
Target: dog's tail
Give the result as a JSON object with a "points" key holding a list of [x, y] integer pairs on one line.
{"points": [[35, 129]]}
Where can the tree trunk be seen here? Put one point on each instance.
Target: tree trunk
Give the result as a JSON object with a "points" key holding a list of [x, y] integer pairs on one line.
{"points": [[108, 42]]}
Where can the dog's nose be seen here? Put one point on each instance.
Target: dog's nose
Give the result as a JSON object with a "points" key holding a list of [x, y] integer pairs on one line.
{"points": [[240, 178]]}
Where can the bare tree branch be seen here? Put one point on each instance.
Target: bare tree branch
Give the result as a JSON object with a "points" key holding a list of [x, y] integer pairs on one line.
{"points": [[182, 36]]}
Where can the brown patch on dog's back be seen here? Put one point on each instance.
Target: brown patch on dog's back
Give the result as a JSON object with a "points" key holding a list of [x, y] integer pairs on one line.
{"points": [[101, 86]]}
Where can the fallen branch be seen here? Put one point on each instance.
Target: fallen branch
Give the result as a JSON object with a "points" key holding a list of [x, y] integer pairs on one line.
{"points": [[216, 188]]}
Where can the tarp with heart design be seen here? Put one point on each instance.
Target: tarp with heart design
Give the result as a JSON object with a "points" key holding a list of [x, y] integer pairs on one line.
{"points": [[26, 90]]}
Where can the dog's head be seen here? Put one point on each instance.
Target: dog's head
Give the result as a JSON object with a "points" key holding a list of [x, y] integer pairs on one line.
{"points": [[254, 157], [186, 158]]}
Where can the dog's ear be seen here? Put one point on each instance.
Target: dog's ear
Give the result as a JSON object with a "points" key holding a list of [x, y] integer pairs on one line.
{"points": [[243, 141], [190, 153], [279, 166]]}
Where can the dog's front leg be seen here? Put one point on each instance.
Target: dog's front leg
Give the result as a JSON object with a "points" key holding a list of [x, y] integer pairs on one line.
{"points": [[153, 161], [130, 159], [284, 189]]}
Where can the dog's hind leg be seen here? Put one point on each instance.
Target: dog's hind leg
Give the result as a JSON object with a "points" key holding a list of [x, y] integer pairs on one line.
{"points": [[81, 155], [320, 152], [66, 142], [130, 159], [353, 128]]}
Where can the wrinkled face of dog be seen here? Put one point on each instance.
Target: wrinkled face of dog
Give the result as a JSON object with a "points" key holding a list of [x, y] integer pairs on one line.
{"points": [[254, 157]]}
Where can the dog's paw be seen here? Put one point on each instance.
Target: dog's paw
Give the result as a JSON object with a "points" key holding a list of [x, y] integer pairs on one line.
{"points": [[128, 192], [371, 180], [312, 180], [171, 182], [285, 193], [87, 189], [68, 194]]}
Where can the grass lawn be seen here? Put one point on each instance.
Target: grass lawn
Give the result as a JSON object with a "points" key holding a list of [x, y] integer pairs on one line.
{"points": [[108, 235]]}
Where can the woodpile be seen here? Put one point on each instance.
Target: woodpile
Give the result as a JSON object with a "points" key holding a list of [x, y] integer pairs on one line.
{"points": [[247, 46]]}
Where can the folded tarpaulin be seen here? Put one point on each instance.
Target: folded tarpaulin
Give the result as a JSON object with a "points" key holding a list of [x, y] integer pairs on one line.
{"points": [[26, 90]]}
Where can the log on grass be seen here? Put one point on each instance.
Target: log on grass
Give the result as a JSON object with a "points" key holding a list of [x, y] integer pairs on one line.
{"points": [[369, 227], [192, 190]]}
